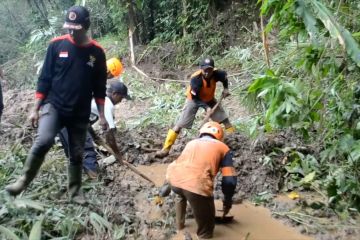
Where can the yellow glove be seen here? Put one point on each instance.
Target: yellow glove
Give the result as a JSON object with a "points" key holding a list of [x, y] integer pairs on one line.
{"points": [[158, 200]]}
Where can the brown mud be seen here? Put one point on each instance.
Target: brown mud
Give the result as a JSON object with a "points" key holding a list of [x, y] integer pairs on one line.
{"points": [[127, 200], [251, 221]]}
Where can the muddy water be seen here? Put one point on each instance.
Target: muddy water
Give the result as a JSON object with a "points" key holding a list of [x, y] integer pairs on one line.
{"points": [[251, 223]]}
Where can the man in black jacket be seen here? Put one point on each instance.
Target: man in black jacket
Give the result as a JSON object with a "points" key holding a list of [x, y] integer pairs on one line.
{"points": [[73, 73]]}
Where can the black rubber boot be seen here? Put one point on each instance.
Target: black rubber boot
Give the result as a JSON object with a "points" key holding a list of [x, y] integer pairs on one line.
{"points": [[31, 167], [74, 176]]}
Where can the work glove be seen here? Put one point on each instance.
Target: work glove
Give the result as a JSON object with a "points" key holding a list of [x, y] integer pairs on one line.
{"points": [[158, 200], [227, 204], [225, 93]]}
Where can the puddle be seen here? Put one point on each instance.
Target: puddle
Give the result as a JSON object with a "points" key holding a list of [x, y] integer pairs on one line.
{"points": [[250, 222], [155, 172]]}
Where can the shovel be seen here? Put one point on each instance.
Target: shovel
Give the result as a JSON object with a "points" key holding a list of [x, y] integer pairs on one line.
{"points": [[208, 114]]}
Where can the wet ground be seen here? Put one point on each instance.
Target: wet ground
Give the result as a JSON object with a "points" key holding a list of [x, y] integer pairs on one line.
{"points": [[250, 222], [128, 200]]}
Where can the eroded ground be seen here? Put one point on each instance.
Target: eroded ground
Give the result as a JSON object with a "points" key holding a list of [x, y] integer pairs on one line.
{"points": [[127, 200]]}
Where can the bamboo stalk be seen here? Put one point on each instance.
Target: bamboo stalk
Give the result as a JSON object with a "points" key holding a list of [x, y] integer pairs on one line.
{"points": [[265, 40]]}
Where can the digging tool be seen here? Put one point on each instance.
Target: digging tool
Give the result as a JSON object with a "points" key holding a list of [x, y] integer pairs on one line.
{"points": [[209, 113], [98, 140]]}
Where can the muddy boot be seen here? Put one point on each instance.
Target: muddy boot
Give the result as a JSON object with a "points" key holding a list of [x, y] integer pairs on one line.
{"points": [[169, 141], [31, 167], [180, 209], [74, 176]]}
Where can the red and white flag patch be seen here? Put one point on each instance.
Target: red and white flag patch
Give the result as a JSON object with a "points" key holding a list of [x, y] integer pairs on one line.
{"points": [[64, 54]]}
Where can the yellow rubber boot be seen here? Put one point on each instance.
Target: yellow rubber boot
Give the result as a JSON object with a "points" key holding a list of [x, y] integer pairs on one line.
{"points": [[230, 130], [169, 141]]}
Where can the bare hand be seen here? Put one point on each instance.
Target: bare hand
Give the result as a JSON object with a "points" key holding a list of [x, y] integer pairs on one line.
{"points": [[34, 118], [208, 111], [103, 123], [225, 93]]}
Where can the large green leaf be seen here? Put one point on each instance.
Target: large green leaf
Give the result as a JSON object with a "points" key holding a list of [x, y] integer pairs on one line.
{"points": [[302, 10], [337, 31], [35, 233], [5, 232]]}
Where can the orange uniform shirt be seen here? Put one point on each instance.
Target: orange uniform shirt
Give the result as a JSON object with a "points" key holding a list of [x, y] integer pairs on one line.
{"points": [[197, 166], [205, 89]]}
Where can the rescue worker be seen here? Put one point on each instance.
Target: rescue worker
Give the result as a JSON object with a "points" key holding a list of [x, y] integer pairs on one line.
{"points": [[73, 73], [116, 92], [200, 93], [192, 174]]}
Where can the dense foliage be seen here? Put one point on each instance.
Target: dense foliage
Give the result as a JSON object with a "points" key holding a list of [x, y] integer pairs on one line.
{"points": [[312, 90]]}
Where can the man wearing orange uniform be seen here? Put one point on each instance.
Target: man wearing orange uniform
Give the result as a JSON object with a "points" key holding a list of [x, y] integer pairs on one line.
{"points": [[192, 175], [200, 93]]}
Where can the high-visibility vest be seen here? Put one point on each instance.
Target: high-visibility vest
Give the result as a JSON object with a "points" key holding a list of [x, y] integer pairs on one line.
{"points": [[195, 169]]}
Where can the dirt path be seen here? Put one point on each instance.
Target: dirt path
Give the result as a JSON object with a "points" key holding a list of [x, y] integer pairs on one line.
{"points": [[251, 223]]}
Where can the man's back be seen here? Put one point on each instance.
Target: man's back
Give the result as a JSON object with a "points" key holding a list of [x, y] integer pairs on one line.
{"points": [[197, 166]]}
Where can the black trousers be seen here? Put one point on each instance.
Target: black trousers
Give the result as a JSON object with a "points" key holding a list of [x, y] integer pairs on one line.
{"points": [[90, 160], [203, 209], [50, 124]]}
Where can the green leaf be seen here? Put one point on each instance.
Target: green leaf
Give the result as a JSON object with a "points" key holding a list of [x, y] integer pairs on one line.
{"points": [[308, 178], [5, 232], [308, 18], [35, 233], [21, 202], [337, 31], [99, 223]]}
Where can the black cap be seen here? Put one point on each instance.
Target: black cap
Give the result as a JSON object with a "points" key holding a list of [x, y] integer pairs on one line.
{"points": [[207, 63], [77, 17], [119, 87]]}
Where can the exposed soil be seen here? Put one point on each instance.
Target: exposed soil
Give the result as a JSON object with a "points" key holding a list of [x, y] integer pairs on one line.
{"points": [[128, 200]]}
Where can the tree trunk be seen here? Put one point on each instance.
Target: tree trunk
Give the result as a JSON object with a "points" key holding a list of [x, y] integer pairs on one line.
{"points": [[132, 21], [131, 43], [265, 41]]}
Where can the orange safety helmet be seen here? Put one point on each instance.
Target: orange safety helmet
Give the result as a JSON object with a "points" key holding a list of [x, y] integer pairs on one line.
{"points": [[114, 66], [214, 129]]}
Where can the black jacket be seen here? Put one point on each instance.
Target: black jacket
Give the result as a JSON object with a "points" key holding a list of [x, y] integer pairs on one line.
{"points": [[71, 76]]}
